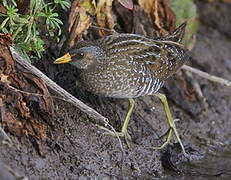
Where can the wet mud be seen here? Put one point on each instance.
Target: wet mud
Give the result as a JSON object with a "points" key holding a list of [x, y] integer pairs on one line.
{"points": [[78, 149]]}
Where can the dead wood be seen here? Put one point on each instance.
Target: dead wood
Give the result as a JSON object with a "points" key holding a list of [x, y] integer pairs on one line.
{"points": [[57, 89]]}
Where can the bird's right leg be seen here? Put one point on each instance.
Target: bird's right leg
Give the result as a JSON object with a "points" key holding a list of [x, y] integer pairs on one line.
{"points": [[124, 130], [171, 124]]}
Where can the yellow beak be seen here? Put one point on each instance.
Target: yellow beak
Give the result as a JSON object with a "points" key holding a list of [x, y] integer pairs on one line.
{"points": [[64, 59]]}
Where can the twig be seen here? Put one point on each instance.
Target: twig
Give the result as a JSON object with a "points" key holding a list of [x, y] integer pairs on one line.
{"points": [[195, 84], [4, 139], [15, 174], [66, 96], [56, 88], [63, 99], [207, 75], [105, 29], [71, 36]]}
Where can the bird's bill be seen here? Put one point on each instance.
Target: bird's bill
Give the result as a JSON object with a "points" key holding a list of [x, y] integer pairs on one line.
{"points": [[64, 59]]}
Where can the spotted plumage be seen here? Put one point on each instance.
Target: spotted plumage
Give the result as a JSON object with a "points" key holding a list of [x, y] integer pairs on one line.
{"points": [[128, 65]]}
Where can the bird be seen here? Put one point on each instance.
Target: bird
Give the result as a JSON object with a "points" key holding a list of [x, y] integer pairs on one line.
{"points": [[129, 66]]}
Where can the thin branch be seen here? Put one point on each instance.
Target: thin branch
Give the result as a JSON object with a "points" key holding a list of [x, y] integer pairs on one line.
{"points": [[15, 174], [105, 29], [207, 75], [65, 95], [4, 139], [56, 88]]}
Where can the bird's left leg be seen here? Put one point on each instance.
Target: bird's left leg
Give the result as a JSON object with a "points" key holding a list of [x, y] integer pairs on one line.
{"points": [[171, 123], [124, 130]]}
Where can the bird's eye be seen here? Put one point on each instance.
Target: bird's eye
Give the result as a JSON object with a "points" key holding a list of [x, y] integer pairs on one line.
{"points": [[79, 55]]}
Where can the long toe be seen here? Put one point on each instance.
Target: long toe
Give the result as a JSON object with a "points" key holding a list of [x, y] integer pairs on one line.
{"points": [[124, 134], [167, 141]]}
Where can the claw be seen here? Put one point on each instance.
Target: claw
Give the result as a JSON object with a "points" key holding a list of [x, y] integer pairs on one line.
{"points": [[124, 134], [167, 141], [124, 131], [171, 123]]}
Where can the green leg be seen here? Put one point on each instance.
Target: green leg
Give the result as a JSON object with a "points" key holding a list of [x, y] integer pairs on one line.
{"points": [[171, 123], [124, 131]]}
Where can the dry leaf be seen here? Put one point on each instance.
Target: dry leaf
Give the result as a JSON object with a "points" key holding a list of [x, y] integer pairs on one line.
{"points": [[26, 101], [13, 125], [126, 3], [79, 20], [104, 16], [2, 9], [6, 39], [84, 22], [4, 78], [160, 13]]}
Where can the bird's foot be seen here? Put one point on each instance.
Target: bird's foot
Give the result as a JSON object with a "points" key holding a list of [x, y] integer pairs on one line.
{"points": [[167, 141], [168, 135], [124, 131], [123, 134], [171, 124]]}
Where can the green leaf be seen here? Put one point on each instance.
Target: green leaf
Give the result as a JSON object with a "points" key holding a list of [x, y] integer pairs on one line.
{"points": [[17, 31], [4, 23], [185, 10], [5, 31], [26, 28], [63, 3]]}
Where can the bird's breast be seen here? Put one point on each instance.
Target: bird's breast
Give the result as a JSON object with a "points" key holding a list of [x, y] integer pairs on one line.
{"points": [[121, 80]]}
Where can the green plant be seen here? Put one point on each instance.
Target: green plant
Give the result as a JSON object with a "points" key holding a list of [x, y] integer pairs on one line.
{"points": [[26, 28], [186, 10]]}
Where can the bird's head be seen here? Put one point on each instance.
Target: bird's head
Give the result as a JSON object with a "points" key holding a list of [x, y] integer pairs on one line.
{"points": [[82, 57]]}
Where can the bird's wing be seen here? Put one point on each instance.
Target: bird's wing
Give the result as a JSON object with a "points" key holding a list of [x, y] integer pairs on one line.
{"points": [[176, 36], [162, 57]]}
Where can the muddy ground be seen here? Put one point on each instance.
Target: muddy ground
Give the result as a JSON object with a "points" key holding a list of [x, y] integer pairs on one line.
{"points": [[77, 148]]}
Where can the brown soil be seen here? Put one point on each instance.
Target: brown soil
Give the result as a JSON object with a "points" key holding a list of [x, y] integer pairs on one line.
{"points": [[77, 148]]}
